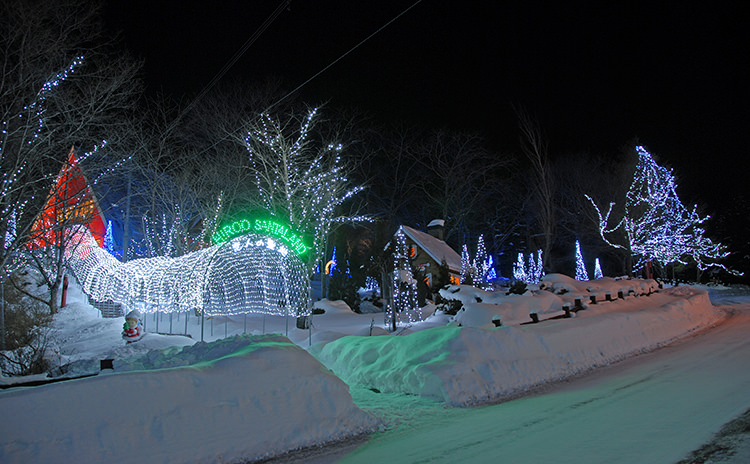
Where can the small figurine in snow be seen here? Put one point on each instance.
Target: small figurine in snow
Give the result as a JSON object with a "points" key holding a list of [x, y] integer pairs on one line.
{"points": [[132, 330]]}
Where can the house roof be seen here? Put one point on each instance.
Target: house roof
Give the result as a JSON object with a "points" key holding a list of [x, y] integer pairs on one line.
{"points": [[436, 248]]}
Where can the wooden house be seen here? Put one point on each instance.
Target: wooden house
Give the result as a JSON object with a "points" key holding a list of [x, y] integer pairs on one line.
{"points": [[428, 251]]}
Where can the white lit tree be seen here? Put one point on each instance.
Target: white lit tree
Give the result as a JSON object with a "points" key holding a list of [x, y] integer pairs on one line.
{"points": [[481, 265], [536, 267], [301, 181], [530, 272], [581, 273], [519, 269], [466, 268], [656, 225], [598, 274], [404, 285], [53, 98]]}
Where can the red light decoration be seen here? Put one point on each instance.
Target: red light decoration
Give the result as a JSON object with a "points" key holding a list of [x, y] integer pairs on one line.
{"points": [[70, 202]]}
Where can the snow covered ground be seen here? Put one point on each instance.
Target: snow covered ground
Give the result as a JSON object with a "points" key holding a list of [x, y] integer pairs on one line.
{"points": [[246, 395], [652, 408]]}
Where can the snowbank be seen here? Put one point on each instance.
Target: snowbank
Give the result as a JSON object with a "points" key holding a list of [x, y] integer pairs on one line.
{"points": [[546, 300], [241, 398], [469, 365]]}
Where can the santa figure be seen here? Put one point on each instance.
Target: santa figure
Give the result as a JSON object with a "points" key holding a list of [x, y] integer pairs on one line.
{"points": [[132, 330]]}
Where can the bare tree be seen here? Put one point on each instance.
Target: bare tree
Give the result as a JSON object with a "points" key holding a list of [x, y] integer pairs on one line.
{"points": [[657, 226], [392, 174], [54, 235], [534, 147], [457, 178], [60, 86], [300, 180]]}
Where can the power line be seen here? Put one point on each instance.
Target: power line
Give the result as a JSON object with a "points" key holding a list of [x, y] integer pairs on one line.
{"points": [[325, 68], [342, 56], [251, 40]]}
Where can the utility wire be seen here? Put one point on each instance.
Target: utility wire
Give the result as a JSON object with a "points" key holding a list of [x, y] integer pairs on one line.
{"points": [[231, 62], [342, 56], [324, 69]]}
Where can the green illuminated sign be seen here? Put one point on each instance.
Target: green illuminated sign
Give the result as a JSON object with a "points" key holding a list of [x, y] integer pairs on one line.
{"points": [[261, 226]]}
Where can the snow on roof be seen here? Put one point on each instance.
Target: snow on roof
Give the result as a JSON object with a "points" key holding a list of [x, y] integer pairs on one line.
{"points": [[436, 248]]}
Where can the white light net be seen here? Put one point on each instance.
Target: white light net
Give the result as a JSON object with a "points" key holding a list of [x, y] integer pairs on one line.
{"points": [[252, 273]]}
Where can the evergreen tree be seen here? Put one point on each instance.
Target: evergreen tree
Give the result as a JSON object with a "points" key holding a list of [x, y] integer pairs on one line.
{"points": [[581, 273], [519, 269], [109, 242], [404, 286], [598, 270], [466, 268], [481, 265], [491, 273]]}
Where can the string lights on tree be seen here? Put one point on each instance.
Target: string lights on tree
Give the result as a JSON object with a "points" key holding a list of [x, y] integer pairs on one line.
{"points": [[482, 266], [581, 272], [404, 306], [21, 129], [466, 271], [530, 272], [492, 274], [656, 225], [519, 269], [298, 183], [109, 242], [598, 274]]}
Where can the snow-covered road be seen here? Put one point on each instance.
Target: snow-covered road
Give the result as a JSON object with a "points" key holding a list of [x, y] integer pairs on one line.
{"points": [[655, 408]]}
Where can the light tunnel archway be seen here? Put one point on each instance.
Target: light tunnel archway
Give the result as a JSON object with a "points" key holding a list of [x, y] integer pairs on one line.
{"points": [[252, 273]]}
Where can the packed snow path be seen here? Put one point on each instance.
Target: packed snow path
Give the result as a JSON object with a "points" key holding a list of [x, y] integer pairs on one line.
{"points": [[656, 407]]}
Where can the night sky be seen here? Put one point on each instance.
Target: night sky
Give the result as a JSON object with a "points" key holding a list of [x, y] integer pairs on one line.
{"points": [[595, 75]]}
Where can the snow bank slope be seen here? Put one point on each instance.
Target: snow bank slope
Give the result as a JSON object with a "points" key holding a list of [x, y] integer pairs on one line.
{"points": [[469, 365], [262, 397]]}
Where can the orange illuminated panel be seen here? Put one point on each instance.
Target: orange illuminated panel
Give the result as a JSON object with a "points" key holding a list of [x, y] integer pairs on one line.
{"points": [[70, 202]]}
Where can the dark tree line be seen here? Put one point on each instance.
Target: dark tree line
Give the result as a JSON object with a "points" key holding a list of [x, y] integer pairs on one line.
{"points": [[173, 169]]}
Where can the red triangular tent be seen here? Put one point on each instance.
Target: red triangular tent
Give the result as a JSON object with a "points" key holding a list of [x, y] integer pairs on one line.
{"points": [[70, 202]]}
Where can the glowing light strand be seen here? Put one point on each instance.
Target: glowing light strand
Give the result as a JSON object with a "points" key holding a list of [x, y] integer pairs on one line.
{"points": [[581, 273], [656, 223], [297, 184], [404, 306], [598, 274], [248, 274]]}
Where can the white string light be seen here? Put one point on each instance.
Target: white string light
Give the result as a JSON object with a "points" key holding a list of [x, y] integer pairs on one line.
{"points": [[656, 223], [404, 306], [252, 273], [598, 274], [581, 272]]}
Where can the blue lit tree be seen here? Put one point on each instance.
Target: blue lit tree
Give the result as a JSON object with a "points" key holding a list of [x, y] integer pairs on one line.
{"points": [[656, 225], [109, 241], [491, 273]]}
